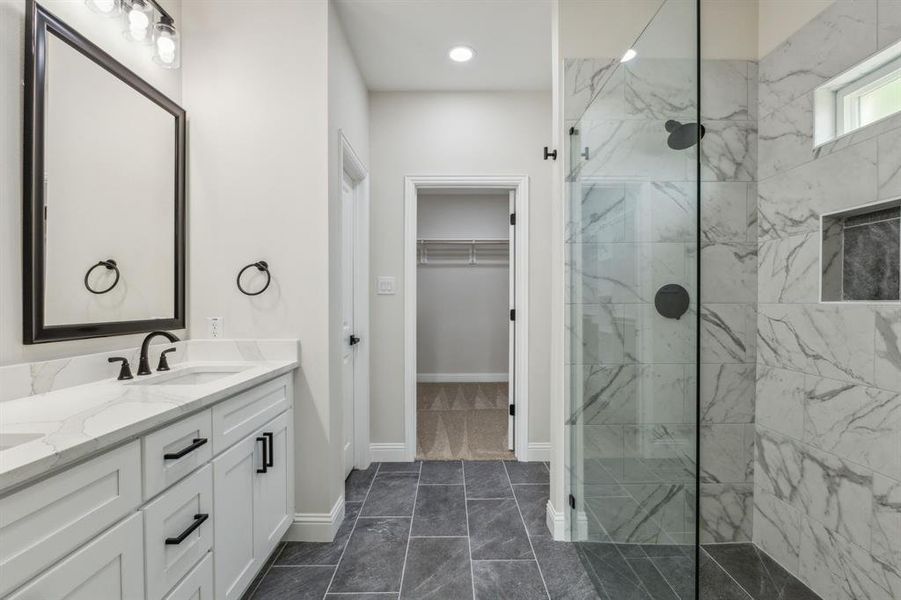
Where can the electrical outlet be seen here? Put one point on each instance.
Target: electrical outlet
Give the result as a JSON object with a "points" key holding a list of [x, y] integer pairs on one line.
{"points": [[215, 326]]}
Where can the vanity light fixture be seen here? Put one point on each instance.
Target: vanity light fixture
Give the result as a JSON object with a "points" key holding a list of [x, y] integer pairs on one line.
{"points": [[138, 16], [461, 54], [108, 8], [628, 55], [138, 26], [166, 46]]}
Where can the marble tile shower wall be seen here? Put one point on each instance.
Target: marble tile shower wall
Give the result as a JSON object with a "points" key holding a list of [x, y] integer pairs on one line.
{"points": [[632, 229], [828, 418]]}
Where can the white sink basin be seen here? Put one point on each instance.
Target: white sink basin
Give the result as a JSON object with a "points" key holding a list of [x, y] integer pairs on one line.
{"points": [[10, 440], [191, 376]]}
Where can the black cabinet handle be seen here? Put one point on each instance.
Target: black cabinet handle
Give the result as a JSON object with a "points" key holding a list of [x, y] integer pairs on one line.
{"points": [[195, 444], [265, 456], [198, 521], [268, 436]]}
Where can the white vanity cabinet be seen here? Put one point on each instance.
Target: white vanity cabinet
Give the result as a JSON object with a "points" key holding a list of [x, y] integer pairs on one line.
{"points": [[190, 510]]}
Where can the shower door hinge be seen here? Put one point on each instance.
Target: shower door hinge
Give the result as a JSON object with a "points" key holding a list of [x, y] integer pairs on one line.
{"points": [[549, 153], [512, 314], [512, 218], [572, 502], [512, 410], [573, 131]]}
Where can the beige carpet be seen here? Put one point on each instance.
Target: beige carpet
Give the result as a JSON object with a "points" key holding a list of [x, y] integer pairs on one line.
{"points": [[461, 421]]}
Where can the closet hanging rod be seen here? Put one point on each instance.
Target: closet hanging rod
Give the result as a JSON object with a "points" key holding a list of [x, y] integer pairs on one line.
{"points": [[463, 241]]}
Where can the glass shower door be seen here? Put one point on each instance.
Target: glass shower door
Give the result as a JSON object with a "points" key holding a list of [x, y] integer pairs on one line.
{"points": [[632, 309]]}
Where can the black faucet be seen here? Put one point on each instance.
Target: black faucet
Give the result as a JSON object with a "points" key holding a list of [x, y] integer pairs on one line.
{"points": [[144, 362]]}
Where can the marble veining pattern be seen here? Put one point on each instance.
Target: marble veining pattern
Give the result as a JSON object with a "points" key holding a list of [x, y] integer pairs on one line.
{"points": [[80, 420]]}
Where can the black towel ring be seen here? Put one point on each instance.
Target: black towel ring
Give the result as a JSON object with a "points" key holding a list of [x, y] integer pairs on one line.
{"points": [[261, 265], [110, 264]]}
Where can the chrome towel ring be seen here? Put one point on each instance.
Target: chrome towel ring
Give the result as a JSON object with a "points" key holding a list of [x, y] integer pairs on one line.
{"points": [[110, 264], [260, 265]]}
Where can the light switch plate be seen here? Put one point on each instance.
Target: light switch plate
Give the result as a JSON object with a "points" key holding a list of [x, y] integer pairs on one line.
{"points": [[385, 285]]}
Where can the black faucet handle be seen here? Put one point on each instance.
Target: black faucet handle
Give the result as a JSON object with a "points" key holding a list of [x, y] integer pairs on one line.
{"points": [[125, 370], [164, 364]]}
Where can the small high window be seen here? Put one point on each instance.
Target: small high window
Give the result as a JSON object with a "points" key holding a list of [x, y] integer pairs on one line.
{"points": [[862, 95]]}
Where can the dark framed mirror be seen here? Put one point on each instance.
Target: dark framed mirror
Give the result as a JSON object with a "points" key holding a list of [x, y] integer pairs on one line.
{"points": [[104, 192]]}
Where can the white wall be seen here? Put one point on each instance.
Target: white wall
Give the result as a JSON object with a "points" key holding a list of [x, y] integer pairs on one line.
{"points": [[462, 311], [453, 134], [348, 114], [256, 92], [107, 34]]}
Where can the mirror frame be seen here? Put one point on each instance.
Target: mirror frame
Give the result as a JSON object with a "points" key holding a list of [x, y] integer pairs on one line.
{"points": [[38, 24]]}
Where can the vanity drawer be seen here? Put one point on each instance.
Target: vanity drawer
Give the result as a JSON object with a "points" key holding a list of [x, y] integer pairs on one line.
{"points": [[178, 531], [43, 522], [236, 418], [198, 584], [108, 567], [187, 445]]}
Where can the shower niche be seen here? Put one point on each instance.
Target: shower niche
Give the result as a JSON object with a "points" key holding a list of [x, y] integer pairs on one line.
{"points": [[861, 254]]}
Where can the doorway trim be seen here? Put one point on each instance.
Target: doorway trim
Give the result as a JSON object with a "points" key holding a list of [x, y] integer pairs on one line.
{"points": [[350, 163], [520, 183]]}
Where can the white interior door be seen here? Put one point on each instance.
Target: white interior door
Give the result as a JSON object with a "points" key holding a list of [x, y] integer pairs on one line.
{"points": [[511, 349], [348, 236]]}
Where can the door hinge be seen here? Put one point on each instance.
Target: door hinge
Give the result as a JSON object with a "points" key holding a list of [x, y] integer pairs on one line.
{"points": [[512, 218], [512, 410], [512, 314], [573, 131], [548, 153], [572, 502]]}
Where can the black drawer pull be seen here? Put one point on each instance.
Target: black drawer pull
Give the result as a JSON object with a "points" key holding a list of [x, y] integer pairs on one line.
{"points": [[265, 456], [268, 436], [198, 521], [195, 444]]}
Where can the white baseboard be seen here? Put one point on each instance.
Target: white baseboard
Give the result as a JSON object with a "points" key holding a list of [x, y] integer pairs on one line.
{"points": [[388, 452], [556, 523], [316, 527], [462, 377], [538, 452]]}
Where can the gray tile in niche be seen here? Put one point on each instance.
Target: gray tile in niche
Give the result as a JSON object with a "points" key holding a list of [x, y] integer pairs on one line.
{"points": [[871, 262]]}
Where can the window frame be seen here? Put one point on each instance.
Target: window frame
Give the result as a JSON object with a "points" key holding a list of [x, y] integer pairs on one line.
{"points": [[848, 96]]}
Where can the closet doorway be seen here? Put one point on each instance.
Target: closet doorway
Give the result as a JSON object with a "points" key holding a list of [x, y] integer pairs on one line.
{"points": [[466, 315]]}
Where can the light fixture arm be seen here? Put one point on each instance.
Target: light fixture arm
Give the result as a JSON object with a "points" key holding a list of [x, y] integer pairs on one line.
{"points": [[165, 17]]}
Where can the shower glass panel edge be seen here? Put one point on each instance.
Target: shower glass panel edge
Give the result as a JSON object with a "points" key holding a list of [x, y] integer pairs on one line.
{"points": [[632, 308]]}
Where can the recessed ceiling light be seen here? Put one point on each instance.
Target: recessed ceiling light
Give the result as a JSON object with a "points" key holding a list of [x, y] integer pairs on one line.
{"points": [[461, 53], [629, 55]]}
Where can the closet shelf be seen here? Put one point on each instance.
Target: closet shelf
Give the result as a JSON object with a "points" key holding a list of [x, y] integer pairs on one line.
{"points": [[459, 251]]}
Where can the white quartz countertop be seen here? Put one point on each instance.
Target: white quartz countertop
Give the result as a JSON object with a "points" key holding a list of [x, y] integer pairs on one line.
{"points": [[75, 422]]}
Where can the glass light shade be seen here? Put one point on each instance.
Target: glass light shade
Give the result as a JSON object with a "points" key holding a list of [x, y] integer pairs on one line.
{"points": [[137, 21], [166, 46], [109, 8]]}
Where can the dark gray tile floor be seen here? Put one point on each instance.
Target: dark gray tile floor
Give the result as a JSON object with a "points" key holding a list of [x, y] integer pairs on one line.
{"points": [[438, 530], [457, 530]]}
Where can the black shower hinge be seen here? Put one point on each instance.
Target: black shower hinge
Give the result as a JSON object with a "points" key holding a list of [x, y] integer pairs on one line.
{"points": [[572, 502], [512, 218], [573, 131], [549, 153], [512, 410], [512, 314]]}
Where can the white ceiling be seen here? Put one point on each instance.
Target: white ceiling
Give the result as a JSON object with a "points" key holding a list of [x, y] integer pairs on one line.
{"points": [[401, 45]]}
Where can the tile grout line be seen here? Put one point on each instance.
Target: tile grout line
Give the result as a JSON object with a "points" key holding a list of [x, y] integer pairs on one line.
{"points": [[352, 529], [526, 529], [275, 556], [403, 568], [472, 577], [728, 574]]}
